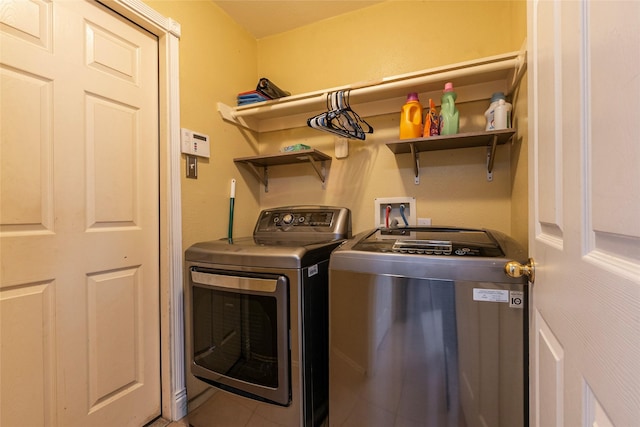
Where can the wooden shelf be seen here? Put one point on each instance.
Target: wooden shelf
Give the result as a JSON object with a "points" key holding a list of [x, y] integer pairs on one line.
{"points": [[489, 139], [311, 156], [473, 80], [450, 142]]}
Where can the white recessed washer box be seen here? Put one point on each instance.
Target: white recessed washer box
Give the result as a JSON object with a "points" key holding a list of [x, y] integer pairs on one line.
{"points": [[410, 210]]}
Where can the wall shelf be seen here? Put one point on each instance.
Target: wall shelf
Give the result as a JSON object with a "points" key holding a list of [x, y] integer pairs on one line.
{"points": [[473, 80], [311, 156], [489, 139]]}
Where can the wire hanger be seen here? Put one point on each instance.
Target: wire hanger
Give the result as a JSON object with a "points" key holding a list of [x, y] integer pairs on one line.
{"points": [[340, 119]]}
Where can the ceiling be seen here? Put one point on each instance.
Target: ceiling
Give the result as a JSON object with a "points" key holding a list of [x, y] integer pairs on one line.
{"points": [[264, 18]]}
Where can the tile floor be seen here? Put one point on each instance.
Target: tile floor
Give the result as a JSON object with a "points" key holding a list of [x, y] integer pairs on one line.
{"points": [[229, 410]]}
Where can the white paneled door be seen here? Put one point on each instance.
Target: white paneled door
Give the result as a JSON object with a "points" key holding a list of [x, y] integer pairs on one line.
{"points": [[584, 76], [79, 217]]}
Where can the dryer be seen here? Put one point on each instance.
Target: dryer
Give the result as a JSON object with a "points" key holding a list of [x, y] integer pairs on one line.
{"points": [[257, 311]]}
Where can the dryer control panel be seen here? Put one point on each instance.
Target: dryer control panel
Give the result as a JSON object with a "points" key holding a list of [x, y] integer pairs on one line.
{"points": [[321, 221], [316, 219]]}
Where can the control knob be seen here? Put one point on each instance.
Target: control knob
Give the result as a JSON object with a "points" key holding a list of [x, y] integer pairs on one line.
{"points": [[287, 218]]}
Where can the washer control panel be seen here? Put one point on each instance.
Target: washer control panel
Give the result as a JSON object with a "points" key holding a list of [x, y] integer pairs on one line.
{"points": [[441, 241]]}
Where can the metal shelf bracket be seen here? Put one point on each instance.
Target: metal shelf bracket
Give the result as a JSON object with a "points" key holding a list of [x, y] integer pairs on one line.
{"points": [[491, 155], [321, 171], [316, 158], [262, 177], [416, 163]]}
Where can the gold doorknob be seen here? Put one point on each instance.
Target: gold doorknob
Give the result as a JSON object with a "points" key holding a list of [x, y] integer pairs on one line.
{"points": [[515, 269]]}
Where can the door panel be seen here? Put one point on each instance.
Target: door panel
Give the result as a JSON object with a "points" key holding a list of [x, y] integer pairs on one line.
{"points": [[27, 203], [111, 159], [612, 61], [549, 367], [27, 355], [115, 354], [584, 66], [548, 109], [79, 218]]}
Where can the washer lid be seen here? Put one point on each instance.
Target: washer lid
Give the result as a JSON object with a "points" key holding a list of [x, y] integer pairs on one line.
{"points": [[440, 241]]}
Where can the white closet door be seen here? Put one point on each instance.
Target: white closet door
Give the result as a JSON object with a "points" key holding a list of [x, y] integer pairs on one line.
{"points": [[79, 290], [584, 88]]}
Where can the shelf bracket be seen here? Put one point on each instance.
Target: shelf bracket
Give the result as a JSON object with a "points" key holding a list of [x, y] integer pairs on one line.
{"points": [[491, 155], [229, 114], [266, 179], [321, 171], [416, 163], [262, 177]]}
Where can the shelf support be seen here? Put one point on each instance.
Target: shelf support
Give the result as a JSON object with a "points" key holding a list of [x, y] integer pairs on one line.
{"points": [[321, 171], [262, 177], [491, 155], [229, 114], [258, 165], [266, 179], [416, 163]]}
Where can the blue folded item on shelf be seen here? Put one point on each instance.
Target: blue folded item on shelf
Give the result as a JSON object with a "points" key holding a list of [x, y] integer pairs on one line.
{"points": [[251, 97], [244, 101]]}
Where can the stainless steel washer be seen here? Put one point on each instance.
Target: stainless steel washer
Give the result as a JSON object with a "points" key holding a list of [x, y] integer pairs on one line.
{"points": [[257, 310], [426, 329]]}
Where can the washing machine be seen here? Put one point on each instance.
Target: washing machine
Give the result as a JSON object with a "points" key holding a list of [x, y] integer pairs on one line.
{"points": [[256, 311], [426, 329]]}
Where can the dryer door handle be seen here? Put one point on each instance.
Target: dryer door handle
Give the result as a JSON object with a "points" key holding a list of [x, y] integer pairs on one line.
{"points": [[235, 282]]}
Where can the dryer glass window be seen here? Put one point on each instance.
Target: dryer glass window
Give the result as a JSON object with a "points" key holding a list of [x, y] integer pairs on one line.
{"points": [[240, 335], [237, 335]]}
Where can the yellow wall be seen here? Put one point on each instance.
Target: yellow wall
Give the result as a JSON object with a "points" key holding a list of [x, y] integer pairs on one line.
{"points": [[217, 59], [519, 168], [389, 39]]}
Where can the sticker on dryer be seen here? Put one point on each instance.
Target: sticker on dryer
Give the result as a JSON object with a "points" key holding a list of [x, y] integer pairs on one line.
{"points": [[313, 270], [516, 299], [490, 295]]}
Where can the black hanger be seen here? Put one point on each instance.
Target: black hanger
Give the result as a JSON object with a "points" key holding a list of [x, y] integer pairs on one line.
{"points": [[340, 119]]}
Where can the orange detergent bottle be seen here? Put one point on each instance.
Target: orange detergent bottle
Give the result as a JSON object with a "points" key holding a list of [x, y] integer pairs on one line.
{"points": [[411, 118]]}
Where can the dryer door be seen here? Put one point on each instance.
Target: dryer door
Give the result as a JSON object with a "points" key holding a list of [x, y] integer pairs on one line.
{"points": [[241, 330]]}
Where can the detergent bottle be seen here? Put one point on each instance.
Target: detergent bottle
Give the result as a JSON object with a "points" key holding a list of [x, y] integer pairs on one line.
{"points": [[498, 114], [411, 118], [502, 115], [431, 121], [449, 115], [490, 113]]}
